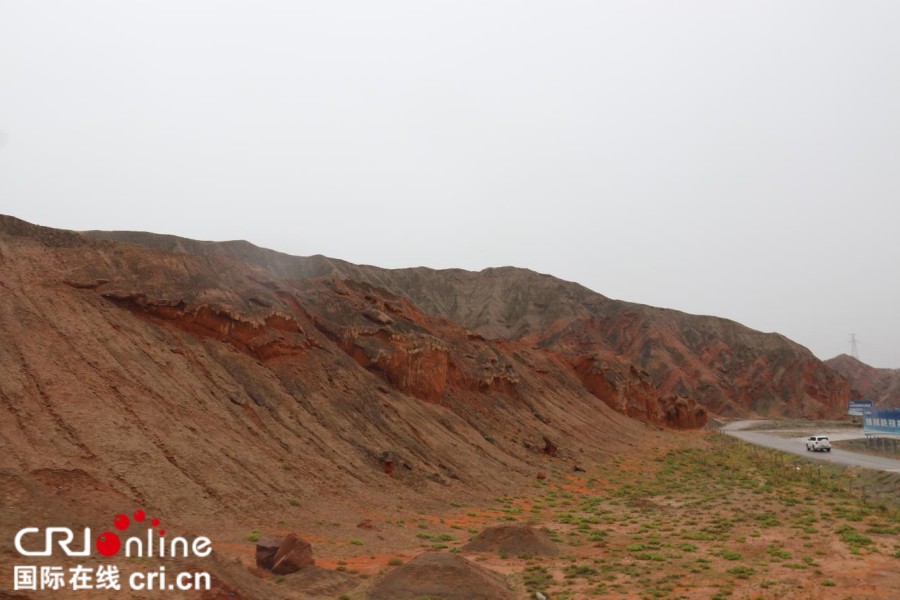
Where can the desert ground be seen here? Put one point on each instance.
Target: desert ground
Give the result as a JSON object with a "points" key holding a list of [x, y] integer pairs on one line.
{"points": [[697, 516]]}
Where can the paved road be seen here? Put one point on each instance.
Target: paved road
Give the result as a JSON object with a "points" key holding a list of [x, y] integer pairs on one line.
{"points": [[798, 446]]}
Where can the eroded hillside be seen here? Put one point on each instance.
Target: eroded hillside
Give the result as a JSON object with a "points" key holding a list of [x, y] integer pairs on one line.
{"points": [[204, 387], [881, 386], [651, 363]]}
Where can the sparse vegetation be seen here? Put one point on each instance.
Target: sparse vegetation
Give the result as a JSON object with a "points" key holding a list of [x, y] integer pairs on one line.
{"points": [[687, 518], [668, 524]]}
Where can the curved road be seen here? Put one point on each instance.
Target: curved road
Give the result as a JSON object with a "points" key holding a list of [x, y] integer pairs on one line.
{"points": [[798, 446]]}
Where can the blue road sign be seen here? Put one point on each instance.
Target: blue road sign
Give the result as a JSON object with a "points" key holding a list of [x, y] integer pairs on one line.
{"points": [[882, 421]]}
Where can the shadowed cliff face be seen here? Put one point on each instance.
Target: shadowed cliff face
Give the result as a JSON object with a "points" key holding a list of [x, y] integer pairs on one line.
{"points": [[881, 386], [204, 386], [659, 365]]}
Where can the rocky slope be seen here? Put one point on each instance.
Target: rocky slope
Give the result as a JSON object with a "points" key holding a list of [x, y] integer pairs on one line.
{"points": [[650, 363], [211, 390], [225, 388], [882, 386]]}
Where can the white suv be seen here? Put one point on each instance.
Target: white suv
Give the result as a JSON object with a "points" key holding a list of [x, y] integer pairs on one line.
{"points": [[818, 442]]}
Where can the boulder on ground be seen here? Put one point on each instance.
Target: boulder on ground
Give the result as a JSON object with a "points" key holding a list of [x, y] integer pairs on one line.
{"points": [[288, 556], [513, 540], [441, 575], [265, 553]]}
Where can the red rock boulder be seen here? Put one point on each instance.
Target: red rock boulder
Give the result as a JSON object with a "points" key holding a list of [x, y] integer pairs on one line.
{"points": [[290, 555], [265, 553]]}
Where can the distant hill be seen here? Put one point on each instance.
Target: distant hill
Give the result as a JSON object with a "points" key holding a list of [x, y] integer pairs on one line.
{"points": [[882, 386]]}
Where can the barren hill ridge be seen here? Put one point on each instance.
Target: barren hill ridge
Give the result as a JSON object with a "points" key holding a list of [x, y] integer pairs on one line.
{"points": [[641, 360], [206, 388], [882, 386], [209, 381]]}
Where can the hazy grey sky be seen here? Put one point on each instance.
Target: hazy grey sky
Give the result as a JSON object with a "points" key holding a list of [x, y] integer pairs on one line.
{"points": [[732, 158]]}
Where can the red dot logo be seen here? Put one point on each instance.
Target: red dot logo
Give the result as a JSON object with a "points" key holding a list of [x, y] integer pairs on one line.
{"points": [[108, 543], [139, 515], [121, 522]]}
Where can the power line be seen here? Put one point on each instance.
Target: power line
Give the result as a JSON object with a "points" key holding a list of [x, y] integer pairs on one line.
{"points": [[854, 347]]}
